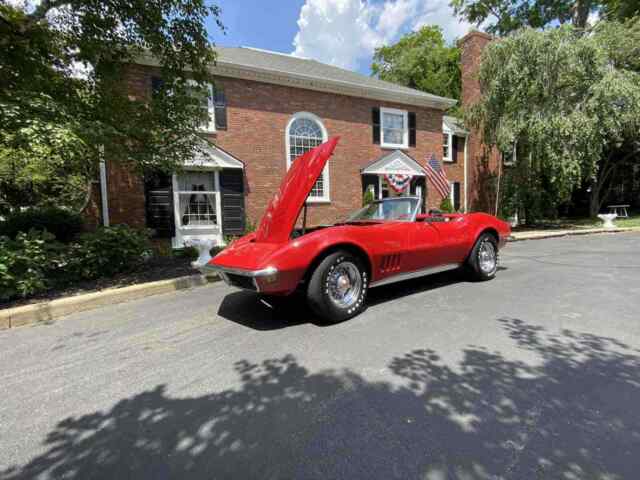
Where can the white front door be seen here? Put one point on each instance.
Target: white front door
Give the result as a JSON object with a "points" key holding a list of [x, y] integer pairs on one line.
{"points": [[197, 209]]}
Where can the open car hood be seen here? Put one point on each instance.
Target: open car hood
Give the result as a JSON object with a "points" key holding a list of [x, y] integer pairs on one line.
{"points": [[283, 210]]}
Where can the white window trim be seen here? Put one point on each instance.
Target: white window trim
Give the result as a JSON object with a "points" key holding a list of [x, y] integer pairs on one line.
{"points": [[326, 198], [176, 201], [452, 194], [211, 126], [449, 134], [405, 128]]}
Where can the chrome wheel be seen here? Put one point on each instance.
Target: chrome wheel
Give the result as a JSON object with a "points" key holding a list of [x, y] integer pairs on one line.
{"points": [[487, 257], [344, 284]]}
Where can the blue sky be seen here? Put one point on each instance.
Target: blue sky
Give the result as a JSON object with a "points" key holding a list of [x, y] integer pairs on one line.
{"points": [[258, 23], [340, 32]]}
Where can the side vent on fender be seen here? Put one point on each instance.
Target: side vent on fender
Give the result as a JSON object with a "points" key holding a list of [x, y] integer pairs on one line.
{"points": [[390, 263]]}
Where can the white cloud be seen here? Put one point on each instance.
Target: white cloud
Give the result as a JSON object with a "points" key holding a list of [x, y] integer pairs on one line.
{"points": [[346, 32]]}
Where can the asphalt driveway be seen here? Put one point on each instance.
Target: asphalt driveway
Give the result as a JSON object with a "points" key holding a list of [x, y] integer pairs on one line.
{"points": [[535, 374]]}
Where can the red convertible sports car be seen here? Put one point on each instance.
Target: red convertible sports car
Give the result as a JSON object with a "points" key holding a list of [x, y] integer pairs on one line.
{"points": [[384, 242]]}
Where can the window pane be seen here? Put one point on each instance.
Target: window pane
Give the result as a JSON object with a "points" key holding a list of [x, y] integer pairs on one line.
{"points": [[393, 120], [196, 181], [197, 209], [445, 145], [393, 128], [201, 94], [305, 134], [392, 136]]}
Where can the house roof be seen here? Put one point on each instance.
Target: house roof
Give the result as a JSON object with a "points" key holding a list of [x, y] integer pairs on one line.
{"points": [[283, 69], [206, 155], [455, 125]]}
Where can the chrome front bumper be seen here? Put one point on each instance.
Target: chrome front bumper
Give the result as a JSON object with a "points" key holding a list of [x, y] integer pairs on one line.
{"points": [[239, 278]]}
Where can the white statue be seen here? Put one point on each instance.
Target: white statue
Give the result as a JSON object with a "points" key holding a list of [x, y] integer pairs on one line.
{"points": [[204, 246], [607, 219]]}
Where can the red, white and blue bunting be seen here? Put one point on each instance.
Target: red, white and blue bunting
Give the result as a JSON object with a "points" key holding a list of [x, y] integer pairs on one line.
{"points": [[398, 181]]}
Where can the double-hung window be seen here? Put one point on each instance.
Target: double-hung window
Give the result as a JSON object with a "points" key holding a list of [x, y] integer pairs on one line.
{"points": [[394, 126], [447, 147], [207, 105], [196, 192]]}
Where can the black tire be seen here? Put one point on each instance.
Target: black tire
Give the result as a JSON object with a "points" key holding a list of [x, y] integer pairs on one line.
{"points": [[324, 287], [478, 263]]}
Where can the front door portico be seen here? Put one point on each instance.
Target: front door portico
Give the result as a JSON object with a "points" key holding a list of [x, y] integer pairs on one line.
{"points": [[394, 174]]}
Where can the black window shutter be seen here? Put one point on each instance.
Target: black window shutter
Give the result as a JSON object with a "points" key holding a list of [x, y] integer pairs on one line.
{"points": [[375, 113], [456, 196], [454, 148], [220, 106], [159, 205], [412, 129], [232, 200]]}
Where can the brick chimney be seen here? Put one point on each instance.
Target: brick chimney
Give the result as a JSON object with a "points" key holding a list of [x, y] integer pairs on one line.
{"points": [[483, 163], [472, 45]]}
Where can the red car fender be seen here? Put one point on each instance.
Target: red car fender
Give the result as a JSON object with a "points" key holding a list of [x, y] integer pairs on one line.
{"points": [[297, 258], [483, 222]]}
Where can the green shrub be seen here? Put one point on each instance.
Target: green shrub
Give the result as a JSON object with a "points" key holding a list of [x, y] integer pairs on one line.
{"points": [[34, 262], [187, 252], [25, 264], [446, 205], [108, 251], [63, 224]]}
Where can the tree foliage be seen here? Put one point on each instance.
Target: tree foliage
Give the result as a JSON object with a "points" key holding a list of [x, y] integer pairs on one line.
{"points": [[421, 60], [501, 17], [62, 67], [570, 103]]}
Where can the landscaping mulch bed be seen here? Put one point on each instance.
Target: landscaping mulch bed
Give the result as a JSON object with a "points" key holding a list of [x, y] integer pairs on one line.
{"points": [[158, 268]]}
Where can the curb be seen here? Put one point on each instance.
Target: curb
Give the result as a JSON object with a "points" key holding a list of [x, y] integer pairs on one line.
{"points": [[46, 312], [567, 233]]}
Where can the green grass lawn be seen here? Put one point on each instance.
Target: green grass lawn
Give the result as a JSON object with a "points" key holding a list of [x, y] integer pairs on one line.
{"points": [[629, 222]]}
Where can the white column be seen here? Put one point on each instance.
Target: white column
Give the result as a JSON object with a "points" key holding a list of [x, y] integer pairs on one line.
{"points": [[466, 143], [103, 187]]}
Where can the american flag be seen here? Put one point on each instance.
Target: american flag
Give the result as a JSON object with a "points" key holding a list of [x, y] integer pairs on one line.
{"points": [[435, 173]]}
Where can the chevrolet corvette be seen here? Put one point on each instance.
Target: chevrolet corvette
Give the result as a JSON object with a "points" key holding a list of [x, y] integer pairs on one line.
{"points": [[334, 266]]}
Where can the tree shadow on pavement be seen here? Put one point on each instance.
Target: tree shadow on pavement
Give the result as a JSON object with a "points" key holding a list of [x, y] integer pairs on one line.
{"points": [[572, 413]]}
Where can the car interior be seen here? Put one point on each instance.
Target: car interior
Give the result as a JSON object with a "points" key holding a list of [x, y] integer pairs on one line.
{"points": [[434, 216]]}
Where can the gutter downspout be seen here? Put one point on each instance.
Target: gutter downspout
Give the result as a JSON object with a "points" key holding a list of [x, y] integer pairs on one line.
{"points": [[103, 188], [466, 143]]}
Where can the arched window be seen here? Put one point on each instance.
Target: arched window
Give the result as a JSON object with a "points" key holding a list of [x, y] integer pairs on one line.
{"points": [[304, 132]]}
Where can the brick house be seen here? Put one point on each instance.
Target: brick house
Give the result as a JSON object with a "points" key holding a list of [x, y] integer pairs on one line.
{"points": [[266, 109]]}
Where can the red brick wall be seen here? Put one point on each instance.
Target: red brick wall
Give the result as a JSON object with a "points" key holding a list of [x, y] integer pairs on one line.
{"points": [[125, 188], [257, 115], [483, 163]]}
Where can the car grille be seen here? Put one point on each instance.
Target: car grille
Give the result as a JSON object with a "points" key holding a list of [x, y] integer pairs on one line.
{"points": [[240, 281]]}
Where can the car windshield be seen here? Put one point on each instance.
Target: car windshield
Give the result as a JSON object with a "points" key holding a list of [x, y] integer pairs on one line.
{"points": [[399, 209]]}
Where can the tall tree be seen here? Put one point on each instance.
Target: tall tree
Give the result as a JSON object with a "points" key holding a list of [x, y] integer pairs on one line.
{"points": [[569, 102], [421, 60], [62, 64], [501, 17]]}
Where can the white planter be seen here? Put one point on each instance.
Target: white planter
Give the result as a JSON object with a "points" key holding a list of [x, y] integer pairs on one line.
{"points": [[607, 219], [204, 246]]}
